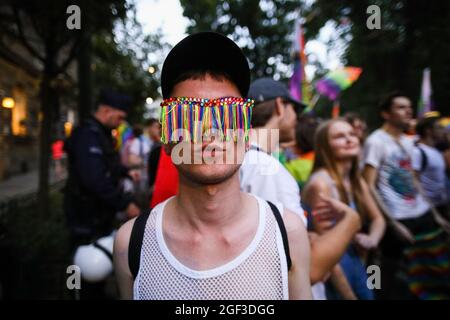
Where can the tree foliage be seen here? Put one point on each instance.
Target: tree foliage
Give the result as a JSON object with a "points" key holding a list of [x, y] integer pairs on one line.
{"points": [[414, 34], [121, 60], [261, 28], [39, 26]]}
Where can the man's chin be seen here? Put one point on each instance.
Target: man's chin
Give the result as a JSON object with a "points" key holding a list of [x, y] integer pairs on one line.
{"points": [[209, 174], [404, 126]]}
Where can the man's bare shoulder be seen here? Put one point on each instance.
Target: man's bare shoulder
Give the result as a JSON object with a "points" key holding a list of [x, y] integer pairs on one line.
{"points": [[299, 247], [122, 270], [122, 239], [293, 222]]}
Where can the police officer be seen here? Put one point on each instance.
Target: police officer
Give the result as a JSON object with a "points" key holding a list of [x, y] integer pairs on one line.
{"points": [[93, 194]]}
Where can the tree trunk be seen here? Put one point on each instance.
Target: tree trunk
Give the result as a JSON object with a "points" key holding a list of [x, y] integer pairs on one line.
{"points": [[84, 77], [44, 146], [49, 105]]}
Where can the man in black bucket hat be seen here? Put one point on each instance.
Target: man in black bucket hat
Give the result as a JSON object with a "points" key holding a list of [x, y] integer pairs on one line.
{"points": [[211, 241]]}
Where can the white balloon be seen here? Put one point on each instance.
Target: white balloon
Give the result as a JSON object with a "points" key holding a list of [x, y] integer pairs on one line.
{"points": [[94, 264], [107, 243]]}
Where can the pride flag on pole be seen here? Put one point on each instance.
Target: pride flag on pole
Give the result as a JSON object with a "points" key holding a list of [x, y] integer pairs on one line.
{"points": [[334, 82], [298, 85], [425, 103]]}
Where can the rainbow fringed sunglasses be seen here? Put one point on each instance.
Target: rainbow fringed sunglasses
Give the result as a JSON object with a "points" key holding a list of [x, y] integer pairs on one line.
{"points": [[193, 118]]}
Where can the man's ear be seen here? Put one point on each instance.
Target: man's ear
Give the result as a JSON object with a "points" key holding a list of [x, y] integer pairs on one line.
{"points": [[279, 107], [385, 115]]}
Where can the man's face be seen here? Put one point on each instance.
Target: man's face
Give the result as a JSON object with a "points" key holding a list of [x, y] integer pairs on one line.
{"points": [[288, 122], [114, 117], [215, 165], [438, 133], [154, 131], [359, 127], [400, 113]]}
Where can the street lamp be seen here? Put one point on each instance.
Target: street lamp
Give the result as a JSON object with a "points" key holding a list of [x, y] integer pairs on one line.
{"points": [[149, 100], [68, 128], [151, 70], [8, 103]]}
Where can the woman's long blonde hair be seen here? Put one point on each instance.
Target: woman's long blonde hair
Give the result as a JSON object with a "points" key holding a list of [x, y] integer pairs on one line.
{"points": [[325, 159]]}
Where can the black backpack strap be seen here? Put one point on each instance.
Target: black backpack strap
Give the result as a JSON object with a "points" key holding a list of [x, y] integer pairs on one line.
{"points": [[104, 250], [424, 161], [284, 236], [423, 157], [135, 245]]}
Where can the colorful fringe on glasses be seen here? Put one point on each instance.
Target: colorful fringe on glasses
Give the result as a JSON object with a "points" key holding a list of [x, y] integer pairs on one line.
{"points": [[193, 118]]}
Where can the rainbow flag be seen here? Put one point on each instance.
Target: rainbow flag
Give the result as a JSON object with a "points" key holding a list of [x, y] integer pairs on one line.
{"points": [[299, 87], [296, 80], [428, 266], [336, 81], [123, 133], [425, 103]]}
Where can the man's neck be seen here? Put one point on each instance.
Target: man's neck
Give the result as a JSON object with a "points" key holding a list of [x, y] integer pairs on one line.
{"points": [[212, 206], [394, 131]]}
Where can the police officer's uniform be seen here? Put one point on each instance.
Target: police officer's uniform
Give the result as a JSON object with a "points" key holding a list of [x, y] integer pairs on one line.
{"points": [[93, 194]]}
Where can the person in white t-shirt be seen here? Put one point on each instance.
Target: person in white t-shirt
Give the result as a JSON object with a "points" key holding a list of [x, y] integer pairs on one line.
{"points": [[273, 121], [388, 170], [139, 148], [429, 163], [388, 158]]}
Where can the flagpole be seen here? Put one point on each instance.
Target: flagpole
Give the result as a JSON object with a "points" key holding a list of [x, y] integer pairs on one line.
{"points": [[312, 104], [425, 103], [336, 109]]}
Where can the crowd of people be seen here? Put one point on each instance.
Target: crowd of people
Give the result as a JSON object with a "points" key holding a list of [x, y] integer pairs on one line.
{"points": [[301, 211]]}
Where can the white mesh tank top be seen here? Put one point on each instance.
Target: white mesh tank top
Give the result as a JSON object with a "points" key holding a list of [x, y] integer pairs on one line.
{"points": [[260, 272]]}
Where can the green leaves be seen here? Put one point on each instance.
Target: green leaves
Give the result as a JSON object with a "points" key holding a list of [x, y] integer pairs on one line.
{"points": [[413, 36], [261, 28]]}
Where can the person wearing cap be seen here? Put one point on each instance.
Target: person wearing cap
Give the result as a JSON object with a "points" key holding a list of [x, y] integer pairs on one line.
{"points": [[93, 195], [274, 121], [211, 240], [429, 163], [416, 238]]}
